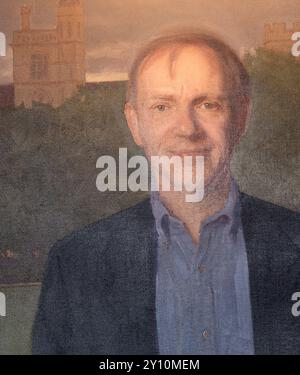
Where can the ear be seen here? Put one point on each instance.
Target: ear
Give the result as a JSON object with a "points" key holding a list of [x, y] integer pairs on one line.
{"points": [[132, 122], [243, 118]]}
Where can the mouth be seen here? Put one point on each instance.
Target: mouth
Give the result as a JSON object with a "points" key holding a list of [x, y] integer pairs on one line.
{"points": [[202, 152]]}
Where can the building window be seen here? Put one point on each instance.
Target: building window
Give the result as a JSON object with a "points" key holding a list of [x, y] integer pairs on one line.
{"points": [[39, 66], [69, 29], [60, 53], [60, 30]]}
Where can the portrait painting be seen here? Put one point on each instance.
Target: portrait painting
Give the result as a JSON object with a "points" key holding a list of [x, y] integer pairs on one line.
{"points": [[149, 177]]}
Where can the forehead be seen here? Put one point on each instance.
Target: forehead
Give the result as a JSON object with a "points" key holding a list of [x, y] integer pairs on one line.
{"points": [[186, 70]]}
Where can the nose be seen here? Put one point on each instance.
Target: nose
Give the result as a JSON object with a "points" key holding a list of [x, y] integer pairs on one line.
{"points": [[187, 125]]}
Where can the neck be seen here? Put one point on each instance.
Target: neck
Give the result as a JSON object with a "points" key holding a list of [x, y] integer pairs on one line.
{"points": [[194, 214]]}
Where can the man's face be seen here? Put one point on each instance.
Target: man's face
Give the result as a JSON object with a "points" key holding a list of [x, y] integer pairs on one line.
{"points": [[182, 108]]}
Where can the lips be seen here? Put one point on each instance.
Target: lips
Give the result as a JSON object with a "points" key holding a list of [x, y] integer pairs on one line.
{"points": [[203, 152]]}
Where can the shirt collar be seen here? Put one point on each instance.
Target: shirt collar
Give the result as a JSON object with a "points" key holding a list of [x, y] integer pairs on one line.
{"points": [[229, 214]]}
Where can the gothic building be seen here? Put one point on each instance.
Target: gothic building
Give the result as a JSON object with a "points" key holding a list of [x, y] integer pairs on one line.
{"points": [[49, 65]]}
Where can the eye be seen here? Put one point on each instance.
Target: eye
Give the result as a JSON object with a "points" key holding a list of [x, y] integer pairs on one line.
{"points": [[160, 107], [210, 106]]}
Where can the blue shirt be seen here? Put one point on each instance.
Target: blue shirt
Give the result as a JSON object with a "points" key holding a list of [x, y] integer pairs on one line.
{"points": [[202, 291]]}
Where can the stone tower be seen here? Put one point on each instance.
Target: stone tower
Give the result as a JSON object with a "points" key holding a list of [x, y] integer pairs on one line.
{"points": [[49, 65], [70, 35]]}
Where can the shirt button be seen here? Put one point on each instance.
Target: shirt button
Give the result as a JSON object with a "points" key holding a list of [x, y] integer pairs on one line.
{"points": [[205, 334], [164, 243], [201, 268]]}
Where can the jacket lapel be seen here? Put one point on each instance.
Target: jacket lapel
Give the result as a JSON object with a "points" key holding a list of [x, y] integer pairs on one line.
{"points": [[145, 285], [136, 286]]}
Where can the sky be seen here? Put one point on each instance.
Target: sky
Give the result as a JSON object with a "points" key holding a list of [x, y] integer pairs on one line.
{"points": [[115, 29]]}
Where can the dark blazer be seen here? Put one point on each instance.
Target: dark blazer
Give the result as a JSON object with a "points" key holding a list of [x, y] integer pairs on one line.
{"points": [[98, 293]]}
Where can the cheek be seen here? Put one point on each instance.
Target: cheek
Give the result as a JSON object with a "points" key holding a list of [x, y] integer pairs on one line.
{"points": [[155, 131], [149, 136], [217, 133]]}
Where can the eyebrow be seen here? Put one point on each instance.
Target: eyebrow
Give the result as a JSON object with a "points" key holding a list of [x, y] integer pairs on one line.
{"points": [[163, 97], [195, 100]]}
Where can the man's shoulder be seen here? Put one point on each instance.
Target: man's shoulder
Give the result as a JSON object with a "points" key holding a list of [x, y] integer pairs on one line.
{"points": [[97, 235], [265, 208], [267, 214]]}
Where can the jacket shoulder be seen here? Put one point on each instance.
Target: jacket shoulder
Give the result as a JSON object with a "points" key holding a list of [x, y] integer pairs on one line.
{"points": [[267, 213], [96, 236]]}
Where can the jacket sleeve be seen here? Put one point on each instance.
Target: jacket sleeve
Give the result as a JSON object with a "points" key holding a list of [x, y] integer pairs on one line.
{"points": [[51, 328]]}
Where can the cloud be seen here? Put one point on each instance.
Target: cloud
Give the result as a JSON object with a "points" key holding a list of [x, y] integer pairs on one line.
{"points": [[107, 64], [108, 77]]}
